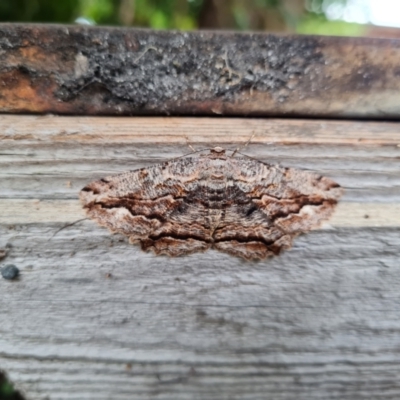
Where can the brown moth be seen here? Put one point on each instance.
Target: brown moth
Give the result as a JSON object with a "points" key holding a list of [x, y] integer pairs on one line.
{"points": [[237, 205]]}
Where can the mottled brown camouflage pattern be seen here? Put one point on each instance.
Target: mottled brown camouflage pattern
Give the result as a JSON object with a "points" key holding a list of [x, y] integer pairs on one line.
{"points": [[235, 204]]}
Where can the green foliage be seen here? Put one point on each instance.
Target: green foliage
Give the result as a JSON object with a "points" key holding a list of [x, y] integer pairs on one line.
{"points": [[167, 14], [38, 10], [7, 391], [100, 11], [312, 25], [185, 14]]}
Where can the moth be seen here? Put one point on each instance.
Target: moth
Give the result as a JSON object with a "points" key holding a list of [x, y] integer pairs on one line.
{"points": [[212, 199]]}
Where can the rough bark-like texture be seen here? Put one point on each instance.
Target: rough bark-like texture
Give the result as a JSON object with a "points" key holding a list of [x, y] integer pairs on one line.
{"points": [[92, 317], [97, 70]]}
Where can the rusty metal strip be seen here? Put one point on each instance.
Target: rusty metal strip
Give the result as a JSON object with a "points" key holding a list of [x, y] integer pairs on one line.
{"points": [[98, 70]]}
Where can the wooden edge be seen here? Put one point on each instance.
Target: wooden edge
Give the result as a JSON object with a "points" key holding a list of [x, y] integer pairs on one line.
{"points": [[353, 215], [206, 131], [123, 71]]}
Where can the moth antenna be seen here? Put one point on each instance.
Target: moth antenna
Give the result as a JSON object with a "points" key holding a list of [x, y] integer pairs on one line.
{"points": [[67, 226], [245, 145], [189, 145]]}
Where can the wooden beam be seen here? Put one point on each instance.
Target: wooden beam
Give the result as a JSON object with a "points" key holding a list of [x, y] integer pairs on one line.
{"points": [[205, 131], [99, 70]]}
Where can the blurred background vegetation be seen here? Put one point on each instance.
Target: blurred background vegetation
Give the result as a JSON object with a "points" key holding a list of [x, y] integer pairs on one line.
{"points": [[7, 391], [295, 16]]}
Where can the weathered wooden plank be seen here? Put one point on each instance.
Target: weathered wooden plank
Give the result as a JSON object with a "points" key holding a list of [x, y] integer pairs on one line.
{"points": [[65, 153], [321, 321], [98, 70], [205, 131], [355, 215], [92, 317]]}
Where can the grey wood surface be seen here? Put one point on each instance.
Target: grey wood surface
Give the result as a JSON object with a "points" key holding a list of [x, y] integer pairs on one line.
{"points": [[92, 317]]}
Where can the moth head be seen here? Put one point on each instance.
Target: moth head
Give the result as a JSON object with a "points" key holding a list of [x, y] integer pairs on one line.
{"points": [[217, 150]]}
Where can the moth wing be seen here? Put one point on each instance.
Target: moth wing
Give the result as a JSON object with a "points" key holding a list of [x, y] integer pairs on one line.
{"points": [[281, 204], [145, 205]]}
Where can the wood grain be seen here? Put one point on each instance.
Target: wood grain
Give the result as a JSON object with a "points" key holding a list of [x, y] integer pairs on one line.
{"points": [[356, 215], [114, 71], [92, 317]]}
